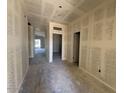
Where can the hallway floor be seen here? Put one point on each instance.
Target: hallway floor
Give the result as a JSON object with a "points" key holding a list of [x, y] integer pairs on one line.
{"points": [[39, 50], [58, 77]]}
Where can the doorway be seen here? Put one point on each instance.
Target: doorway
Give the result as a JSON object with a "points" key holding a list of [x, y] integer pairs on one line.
{"points": [[39, 45], [76, 48], [57, 46]]}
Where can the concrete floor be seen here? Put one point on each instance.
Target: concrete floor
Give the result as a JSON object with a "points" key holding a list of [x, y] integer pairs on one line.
{"points": [[58, 77], [39, 50], [57, 57]]}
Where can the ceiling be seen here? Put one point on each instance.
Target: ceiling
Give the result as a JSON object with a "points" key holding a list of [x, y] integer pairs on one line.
{"points": [[40, 12]]}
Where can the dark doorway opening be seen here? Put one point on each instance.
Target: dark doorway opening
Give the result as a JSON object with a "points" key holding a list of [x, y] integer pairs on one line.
{"points": [[76, 48], [57, 46]]}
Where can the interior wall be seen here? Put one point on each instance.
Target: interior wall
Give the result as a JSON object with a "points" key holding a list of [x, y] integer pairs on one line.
{"points": [[64, 39], [17, 45], [31, 41], [97, 43], [47, 43]]}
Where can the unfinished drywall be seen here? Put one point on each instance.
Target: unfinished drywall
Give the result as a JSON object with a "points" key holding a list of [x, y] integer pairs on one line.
{"points": [[64, 39], [17, 45], [31, 41], [97, 43]]}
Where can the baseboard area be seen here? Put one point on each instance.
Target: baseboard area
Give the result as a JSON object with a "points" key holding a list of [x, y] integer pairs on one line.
{"points": [[19, 88], [101, 82]]}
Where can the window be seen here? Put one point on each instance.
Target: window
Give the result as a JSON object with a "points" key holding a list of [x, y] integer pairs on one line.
{"points": [[37, 43]]}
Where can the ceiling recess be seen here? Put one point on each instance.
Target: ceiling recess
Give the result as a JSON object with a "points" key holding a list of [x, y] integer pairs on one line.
{"points": [[60, 6]]}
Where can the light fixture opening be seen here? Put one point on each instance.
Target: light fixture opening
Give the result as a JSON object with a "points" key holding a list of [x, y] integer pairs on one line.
{"points": [[60, 6]]}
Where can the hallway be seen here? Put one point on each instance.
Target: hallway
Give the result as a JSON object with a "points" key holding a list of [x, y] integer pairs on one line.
{"points": [[58, 77], [42, 47]]}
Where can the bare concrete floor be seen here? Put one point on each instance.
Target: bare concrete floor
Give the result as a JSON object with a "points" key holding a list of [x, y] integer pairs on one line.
{"points": [[58, 77]]}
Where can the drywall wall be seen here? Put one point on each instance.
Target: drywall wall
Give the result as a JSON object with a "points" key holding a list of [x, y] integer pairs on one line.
{"points": [[39, 32], [64, 39], [47, 42], [97, 43], [31, 41], [17, 45]]}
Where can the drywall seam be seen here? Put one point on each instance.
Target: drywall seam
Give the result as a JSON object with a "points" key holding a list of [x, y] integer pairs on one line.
{"points": [[91, 12]]}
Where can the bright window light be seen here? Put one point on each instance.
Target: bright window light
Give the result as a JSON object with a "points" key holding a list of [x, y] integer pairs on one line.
{"points": [[37, 43]]}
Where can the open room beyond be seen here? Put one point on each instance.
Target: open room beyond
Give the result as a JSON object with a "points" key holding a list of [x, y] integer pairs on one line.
{"points": [[61, 46]]}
